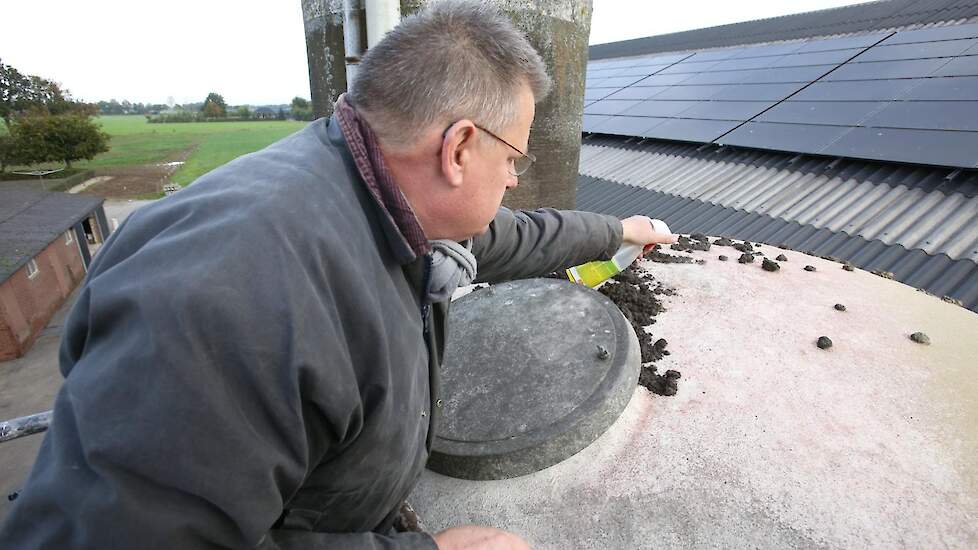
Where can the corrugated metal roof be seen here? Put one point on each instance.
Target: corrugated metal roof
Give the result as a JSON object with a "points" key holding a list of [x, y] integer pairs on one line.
{"points": [[30, 220], [915, 207], [937, 274], [891, 14]]}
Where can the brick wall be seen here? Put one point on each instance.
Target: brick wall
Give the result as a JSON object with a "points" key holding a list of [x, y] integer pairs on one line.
{"points": [[27, 304]]}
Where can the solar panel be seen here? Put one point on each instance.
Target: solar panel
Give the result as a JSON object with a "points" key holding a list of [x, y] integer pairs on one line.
{"points": [[609, 107], [682, 129], [638, 92], [962, 66], [910, 68], [614, 82], [825, 44], [627, 125], [856, 90], [715, 55], [663, 80], [721, 77], [932, 115], [923, 50], [688, 92], [592, 121], [757, 92], [770, 49], [726, 110], [841, 113], [951, 32], [946, 89], [748, 63], [933, 147], [914, 93], [640, 70], [689, 67], [594, 94], [816, 58], [786, 74], [658, 108], [798, 138]]}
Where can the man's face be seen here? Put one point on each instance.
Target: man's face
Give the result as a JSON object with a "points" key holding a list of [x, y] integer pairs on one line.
{"points": [[490, 172]]}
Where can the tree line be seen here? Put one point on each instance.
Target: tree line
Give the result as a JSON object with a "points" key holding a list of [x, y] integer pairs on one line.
{"points": [[215, 109], [43, 123]]}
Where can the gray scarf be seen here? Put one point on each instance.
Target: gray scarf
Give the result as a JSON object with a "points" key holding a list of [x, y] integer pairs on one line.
{"points": [[452, 266]]}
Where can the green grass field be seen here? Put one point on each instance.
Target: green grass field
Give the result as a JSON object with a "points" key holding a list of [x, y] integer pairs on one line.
{"points": [[136, 142]]}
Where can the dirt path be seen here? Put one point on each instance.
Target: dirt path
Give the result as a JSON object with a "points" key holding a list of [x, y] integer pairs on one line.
{"points": [[137, 182]]}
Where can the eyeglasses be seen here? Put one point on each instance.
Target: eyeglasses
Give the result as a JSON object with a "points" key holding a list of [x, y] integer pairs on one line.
{"points": [[521, 164]]}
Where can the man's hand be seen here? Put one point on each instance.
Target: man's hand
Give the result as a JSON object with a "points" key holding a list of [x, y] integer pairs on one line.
{"points": [[477, 537], [640, 230]]}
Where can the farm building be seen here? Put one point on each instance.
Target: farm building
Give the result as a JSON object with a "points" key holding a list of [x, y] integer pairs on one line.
{"points": [[849, 133], [46, 243]]}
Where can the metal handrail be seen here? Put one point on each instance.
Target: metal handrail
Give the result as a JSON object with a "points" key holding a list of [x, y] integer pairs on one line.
{"points": [[25, 425]]}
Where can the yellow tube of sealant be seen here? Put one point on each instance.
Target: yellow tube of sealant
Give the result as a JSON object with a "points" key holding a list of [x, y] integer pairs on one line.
{"points": [[593, 274]]}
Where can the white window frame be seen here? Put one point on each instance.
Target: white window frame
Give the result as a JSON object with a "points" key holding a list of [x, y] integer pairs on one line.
{"points": [[69, 238], [32, 269]]}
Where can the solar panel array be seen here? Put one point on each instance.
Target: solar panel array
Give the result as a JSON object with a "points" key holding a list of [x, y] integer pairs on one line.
{"points": [[909, 96]]}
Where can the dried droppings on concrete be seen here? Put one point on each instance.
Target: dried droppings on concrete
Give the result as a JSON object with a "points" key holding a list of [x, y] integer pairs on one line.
{"points": [[692, 243], [809, 268], [657, 383], [746, 258], [635, 296], [723, 241], [920, 338], [769, 265], [824, 342], [658, 256], [722, 258], [744, 247], [884, 274], [951, 300], [840, 307], [782, 258], [848, 267]]}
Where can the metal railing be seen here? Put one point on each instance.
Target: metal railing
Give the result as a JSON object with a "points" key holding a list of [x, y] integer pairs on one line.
{"points": [[25, 425]]}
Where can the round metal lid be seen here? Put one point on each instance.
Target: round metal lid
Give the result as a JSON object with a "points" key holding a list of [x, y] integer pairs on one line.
{"points": [[534, 371]]}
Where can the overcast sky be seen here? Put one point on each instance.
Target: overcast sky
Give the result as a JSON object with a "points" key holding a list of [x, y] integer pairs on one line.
{"points": [[253, 51]]}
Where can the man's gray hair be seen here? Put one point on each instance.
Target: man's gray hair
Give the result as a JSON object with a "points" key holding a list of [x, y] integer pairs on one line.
{"points": [[453, 60]]}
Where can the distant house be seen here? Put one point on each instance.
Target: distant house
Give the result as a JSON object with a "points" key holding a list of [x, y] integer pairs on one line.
{"points": [[265, 113], [46, 244]]}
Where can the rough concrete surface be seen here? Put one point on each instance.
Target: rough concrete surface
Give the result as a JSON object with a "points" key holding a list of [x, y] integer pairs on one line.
{"points": [[770, 442]]}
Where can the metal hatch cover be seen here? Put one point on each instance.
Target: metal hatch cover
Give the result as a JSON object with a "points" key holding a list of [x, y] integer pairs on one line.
{"points": [[534, 371]]}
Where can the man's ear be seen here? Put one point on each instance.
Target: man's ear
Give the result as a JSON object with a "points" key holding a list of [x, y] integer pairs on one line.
{"points": [[456, 150]]}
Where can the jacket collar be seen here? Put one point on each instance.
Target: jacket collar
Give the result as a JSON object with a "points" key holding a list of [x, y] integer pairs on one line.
{"points": [[401, 226]]}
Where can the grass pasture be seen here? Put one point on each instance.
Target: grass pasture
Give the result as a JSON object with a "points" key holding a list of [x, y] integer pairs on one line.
{"points": [[136, 143]]}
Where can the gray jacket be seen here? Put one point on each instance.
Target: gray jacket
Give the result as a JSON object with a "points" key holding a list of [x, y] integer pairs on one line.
{"points": [[247, 366]]}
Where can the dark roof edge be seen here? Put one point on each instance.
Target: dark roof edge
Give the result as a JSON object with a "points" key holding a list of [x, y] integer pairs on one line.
{"points": [[916, 268]]}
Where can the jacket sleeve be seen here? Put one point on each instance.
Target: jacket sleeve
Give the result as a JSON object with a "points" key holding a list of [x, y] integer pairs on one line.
{"points": [[179, 424], [521, 244]]}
